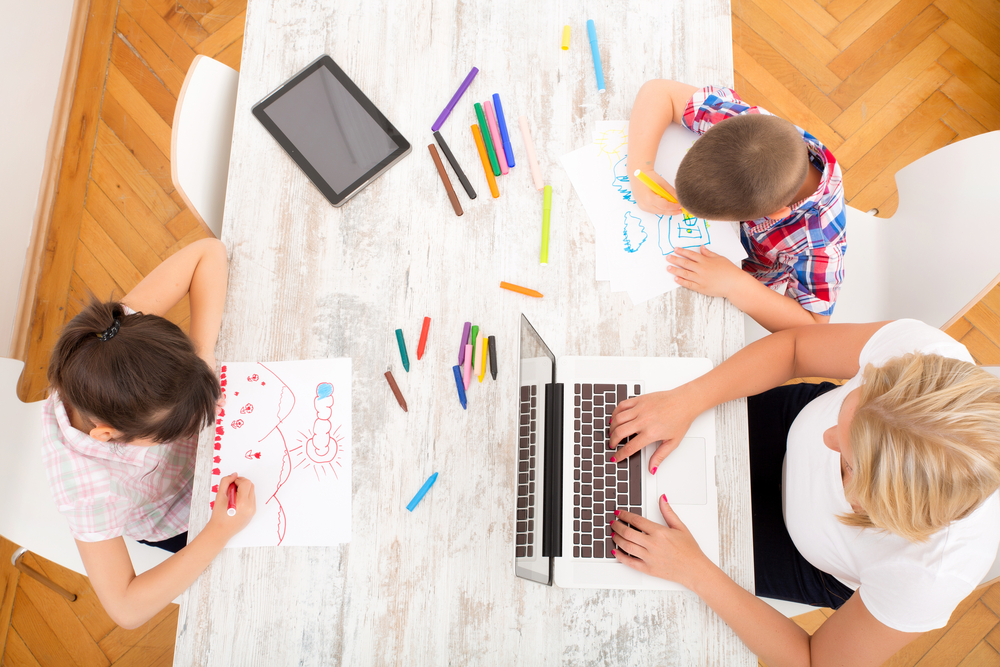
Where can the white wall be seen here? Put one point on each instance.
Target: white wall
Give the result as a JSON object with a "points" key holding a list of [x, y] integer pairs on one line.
{"points": [[32, 46]]}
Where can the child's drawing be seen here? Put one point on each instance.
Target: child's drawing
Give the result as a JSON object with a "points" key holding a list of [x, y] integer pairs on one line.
{"points": [[296, 452], [612, 144], [634, 232], [682, 231]]}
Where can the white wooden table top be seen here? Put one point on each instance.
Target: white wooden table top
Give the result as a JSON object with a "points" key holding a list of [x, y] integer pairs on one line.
{"points": [[310, 281]]}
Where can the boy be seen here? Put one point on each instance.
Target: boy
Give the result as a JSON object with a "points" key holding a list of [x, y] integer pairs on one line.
{"points": [[782, 184]]}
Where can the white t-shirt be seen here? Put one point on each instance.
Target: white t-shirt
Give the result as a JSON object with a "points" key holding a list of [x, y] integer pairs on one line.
{"points": [[908, 587]]}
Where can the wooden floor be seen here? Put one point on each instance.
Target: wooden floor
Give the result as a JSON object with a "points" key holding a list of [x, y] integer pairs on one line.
{"points": [[882, 82]]}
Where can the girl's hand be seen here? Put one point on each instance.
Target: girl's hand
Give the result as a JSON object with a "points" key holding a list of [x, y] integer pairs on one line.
{"points": [[661, 418], [704, 272], [246, 506], [668, 552]]}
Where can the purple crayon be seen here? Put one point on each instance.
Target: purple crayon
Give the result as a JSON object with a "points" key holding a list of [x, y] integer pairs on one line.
{"points": [[454, 100], [465, 341]]}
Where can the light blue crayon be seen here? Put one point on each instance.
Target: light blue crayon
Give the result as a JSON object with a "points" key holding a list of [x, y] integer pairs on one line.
{"points": [[592, 32], [422, 492]]}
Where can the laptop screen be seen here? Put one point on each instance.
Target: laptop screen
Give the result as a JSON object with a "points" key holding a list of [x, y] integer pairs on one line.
{"points": [[536, 370]]}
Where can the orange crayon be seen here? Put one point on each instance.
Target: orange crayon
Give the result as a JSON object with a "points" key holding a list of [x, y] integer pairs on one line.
{"points": [[520, 290], [490, 178]]}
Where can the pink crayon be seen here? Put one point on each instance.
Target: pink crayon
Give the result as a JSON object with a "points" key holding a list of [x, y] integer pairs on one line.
{"points": [[467, 366], [491, 120]]}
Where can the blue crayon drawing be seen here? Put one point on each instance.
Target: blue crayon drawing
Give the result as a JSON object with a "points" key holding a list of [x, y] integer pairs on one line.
{"points": [[682, 231], [634, 233], [621, 182]]}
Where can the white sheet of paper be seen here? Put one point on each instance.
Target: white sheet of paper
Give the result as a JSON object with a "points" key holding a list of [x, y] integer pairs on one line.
{"points": [[631, 244], [286, 426]]}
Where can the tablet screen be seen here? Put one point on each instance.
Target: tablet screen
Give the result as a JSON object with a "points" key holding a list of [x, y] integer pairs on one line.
{"points": [[338, 137]]}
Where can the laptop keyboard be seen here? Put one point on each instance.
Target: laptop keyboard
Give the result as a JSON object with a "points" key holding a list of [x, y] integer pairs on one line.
{"points": [[600, 486], [526, 467]]}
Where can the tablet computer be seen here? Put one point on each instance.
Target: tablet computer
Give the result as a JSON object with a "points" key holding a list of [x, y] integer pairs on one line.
{"points": [[331, 129]]}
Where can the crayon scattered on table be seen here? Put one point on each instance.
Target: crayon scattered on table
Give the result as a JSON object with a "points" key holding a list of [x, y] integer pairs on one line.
{"points": [[395, 390], [454, 99], [463, 179], [546, 213], [423, 337], [491, 121], [565, 41], [504, 136], [486, 161], [402, 350], [484, 130], [595, 52], [520, 290], [491, 343], [422, 492], [465, 340], [459, 384], [482, 364], [472, 340], [445, 180], [529, 148], [467, 366]]}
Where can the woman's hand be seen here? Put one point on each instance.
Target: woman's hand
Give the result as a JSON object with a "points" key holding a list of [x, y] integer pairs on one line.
{"points": [[668, 552], [246, 506], [662, 417], [647, 200]]}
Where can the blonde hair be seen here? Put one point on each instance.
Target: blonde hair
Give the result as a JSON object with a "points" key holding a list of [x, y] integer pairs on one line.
{"points": [[743, 168], [926, 442]]}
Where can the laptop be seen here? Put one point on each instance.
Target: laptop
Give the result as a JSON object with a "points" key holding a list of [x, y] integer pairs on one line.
{"points": [[567, 486]]}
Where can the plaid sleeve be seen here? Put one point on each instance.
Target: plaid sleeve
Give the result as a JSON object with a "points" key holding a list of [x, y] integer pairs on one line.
{"points": [[713, 104], [815, 276]]}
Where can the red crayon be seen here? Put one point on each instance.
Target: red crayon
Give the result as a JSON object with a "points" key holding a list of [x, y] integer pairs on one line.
{"points": [[231, 494], [423, 338]]}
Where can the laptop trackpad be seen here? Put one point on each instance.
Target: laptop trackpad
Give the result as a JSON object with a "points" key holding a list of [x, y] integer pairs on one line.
{"points": [[682, 476]]}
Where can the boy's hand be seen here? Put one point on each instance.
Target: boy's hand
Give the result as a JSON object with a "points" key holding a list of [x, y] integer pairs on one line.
{"points": [[649, 201], [704, 271]]}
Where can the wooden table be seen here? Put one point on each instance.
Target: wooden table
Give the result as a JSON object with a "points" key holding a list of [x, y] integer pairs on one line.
{"points": [[309, 281]]}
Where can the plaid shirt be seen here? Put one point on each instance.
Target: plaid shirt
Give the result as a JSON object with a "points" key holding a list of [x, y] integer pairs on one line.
{"points": [[804, 253], [108, 490]]}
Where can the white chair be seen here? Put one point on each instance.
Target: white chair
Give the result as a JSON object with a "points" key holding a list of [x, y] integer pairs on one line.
{"points": [[202, 137], [938, 254], [29, 517]]}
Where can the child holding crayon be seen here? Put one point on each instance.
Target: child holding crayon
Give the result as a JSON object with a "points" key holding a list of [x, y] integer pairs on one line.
{"points": [[130, 393], [777, 180]]}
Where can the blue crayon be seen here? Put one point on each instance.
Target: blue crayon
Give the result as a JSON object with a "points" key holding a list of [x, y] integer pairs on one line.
{"points": [[422, 492], [505, 138], [461, 385], [592, 32]]}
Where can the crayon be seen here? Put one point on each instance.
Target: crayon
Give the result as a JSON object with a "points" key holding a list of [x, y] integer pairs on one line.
{"points": [[465, 339], [658, 189], [423, 337], [491, 343], [521, 290], [529, 148], [486, 161], [472, 339], [491, 121], [592, 32], [395, 390], [565, 41], [467, 366], [231, 497], [484, 129], [463, 179], [505, 137], [452, 197], [454, 100], [422, 492], [546, 212], [482, 365], [402, 350], [458, 383]]}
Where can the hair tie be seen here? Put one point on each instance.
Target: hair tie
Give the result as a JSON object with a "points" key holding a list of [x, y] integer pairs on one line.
{"points": [[111, 331]]}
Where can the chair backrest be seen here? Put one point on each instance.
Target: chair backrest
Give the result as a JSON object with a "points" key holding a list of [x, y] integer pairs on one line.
{"points": [[202, 138], [30, 517], [939, 251]]}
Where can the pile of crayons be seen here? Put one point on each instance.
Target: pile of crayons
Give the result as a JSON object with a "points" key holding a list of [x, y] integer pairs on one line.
{"points": [[467, 359]]}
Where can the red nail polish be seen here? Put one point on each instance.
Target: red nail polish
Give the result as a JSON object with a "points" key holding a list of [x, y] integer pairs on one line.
{"points": [[612, 552], [611, 522], [613, 460], [664, 496], [653, 470], [617, 512]]}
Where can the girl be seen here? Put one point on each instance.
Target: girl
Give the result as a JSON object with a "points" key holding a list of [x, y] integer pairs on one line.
{"points": [[130, 393], [889, 487]]}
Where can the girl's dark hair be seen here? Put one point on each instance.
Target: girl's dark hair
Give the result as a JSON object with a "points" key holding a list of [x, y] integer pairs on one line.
{"points": [[145, 382]]}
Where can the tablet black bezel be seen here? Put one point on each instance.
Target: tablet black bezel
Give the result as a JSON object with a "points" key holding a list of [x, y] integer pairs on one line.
{"points": [[336, 198]]}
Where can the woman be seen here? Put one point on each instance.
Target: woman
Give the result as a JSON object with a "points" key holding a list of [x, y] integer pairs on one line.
{"points": [[891, 509]]}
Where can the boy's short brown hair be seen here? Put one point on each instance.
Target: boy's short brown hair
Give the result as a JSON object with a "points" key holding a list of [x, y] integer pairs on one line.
{"points": [[145, 382], [743, 168]]}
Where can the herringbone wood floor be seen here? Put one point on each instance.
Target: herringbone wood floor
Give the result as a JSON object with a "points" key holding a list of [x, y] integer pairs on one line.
{"points": [[883, 82]]}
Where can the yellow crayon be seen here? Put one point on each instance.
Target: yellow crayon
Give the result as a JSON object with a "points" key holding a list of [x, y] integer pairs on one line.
{"points": [[482, 367], [565, 42], [655, 187]]}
